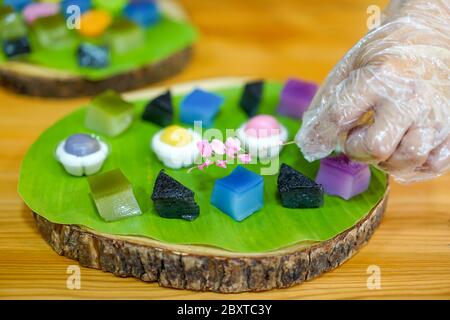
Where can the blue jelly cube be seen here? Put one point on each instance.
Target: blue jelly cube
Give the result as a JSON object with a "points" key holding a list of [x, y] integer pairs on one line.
{"points": [[142, 13], [18, 5], [83, 5], [92, 56], [201, 106], [239, 194]]}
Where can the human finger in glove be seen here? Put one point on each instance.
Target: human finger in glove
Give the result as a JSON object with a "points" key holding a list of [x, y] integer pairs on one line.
{"points": [[388, 101]]}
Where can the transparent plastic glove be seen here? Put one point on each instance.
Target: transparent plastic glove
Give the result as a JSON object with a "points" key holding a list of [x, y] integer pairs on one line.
{"points": [[388, 101]]}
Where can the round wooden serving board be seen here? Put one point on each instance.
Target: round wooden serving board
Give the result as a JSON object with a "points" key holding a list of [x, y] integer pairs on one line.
{"points": [[34, 80], [207, 268]]}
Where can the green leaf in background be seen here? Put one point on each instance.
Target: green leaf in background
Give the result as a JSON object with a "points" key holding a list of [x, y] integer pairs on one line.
{"points": [[48, 190]]}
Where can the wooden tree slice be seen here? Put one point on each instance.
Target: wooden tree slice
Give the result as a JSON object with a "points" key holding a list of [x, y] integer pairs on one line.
{"points": [[34, 80], [39, 81], [206, 268]]}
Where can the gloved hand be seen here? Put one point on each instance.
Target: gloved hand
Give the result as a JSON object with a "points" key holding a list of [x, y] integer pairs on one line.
{"points": [[388, 101]]}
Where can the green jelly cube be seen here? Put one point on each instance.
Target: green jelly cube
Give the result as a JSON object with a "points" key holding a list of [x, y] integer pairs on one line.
{"points": [[12, 25], [52, 32], [124, 36], [109, 114], [113, 195]]}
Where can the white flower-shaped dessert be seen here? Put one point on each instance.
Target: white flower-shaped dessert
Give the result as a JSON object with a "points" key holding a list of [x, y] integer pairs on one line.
{"points": [[263, 136], [176, 146], [82, 154]]}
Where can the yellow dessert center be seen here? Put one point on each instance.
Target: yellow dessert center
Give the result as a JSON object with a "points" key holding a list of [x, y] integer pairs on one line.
{"points": [[176, 136]]}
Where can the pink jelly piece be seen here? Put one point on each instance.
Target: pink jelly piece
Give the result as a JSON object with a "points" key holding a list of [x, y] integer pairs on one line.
{"points": [[37, 10], [296, 97], [342, 177], [262, 126]]}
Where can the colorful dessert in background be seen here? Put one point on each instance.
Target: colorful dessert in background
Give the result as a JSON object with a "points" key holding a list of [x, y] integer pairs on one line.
{"points": [[51, 33], [118, 28], [82, 5], [13, 33], [297, 190], [93, 56], [94, 23], [17, 4], [109, 114], [173, 200], [239, 194], [113, 195], [123, 36], [263, 136], [81, 44], [343, 177], [142, 14], [36, 10], [200, 106], [296, 97], [251, 97], [176, 146], [82, 154], [159, 110]]}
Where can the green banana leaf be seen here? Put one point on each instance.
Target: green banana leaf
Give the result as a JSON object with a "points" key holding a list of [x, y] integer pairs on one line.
{"points": [[48, 190], [161, 40]]}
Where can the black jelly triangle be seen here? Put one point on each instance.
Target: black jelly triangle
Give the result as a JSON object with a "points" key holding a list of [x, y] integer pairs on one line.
{"points": [[251, 97], [254, 88], [289, 179], [163, 102], [167, 187]]}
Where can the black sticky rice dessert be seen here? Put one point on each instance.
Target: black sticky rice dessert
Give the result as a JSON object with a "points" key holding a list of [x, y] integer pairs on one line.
{"points": [[297, 190], [173, 200]]}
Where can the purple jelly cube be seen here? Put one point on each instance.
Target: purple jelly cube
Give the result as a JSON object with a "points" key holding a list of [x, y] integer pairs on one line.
{"points": [[342, 177], [18, 5], [201, 106], [143, 13], [296, 97], [83, 5], [239, 194]]}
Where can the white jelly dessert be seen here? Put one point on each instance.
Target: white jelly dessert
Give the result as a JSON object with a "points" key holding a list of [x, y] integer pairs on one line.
{"points": [[82, 154]]}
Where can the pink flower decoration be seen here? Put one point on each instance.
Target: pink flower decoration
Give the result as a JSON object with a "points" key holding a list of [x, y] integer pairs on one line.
{"points": [[218, 147], [221, 163], [205, 148], [233, 146], [205, 164], [244, 158]]}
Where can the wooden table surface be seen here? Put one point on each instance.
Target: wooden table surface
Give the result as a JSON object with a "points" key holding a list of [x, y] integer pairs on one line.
{"points": [[272, 39]]}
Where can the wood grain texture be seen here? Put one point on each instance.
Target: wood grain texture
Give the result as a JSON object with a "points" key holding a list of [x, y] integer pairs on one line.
{"points": [[196, 268], [272, 39]]}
